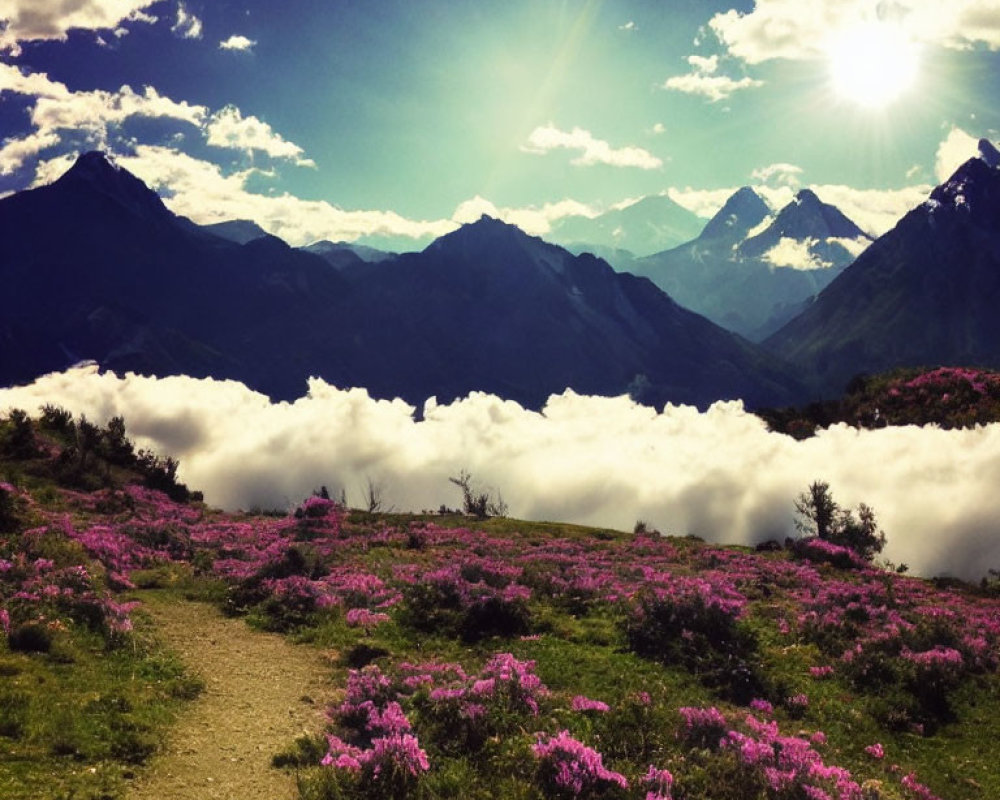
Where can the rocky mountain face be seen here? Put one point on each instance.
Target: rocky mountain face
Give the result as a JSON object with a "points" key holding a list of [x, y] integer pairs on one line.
{"points": [[751, 271], [925, 293]]}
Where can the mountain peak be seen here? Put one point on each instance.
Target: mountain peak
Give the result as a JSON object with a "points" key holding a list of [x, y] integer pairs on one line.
{"points": [[742, 212], [989, 153], [98, 171], [973, 188], [804, 196]]}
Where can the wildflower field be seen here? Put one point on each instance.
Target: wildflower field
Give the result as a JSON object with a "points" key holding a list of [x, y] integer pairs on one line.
{"points": [[483, 659]]}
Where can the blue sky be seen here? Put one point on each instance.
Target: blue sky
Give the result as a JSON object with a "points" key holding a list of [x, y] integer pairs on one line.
{"points": [[347, 120]]}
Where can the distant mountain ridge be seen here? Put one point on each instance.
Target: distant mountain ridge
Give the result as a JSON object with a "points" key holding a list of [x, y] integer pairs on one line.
{"points": [[925, 293], [751, 271], [100, 269], [647, 226]]}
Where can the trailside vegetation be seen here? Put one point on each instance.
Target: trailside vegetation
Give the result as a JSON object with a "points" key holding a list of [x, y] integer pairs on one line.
{"points": [[498, 658]]}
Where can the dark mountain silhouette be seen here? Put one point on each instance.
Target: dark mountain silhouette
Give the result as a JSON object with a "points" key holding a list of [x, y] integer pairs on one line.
{"points": [[649, 225], [100, 269], [240, 231], [751, 272], [925, 293]]}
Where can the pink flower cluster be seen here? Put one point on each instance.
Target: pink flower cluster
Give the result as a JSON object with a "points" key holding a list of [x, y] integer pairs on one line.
{"points": [[572, 767], [581, 703], [658, 783], [789, 765]]}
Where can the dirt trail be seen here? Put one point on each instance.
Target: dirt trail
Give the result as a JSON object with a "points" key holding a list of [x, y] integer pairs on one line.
{"points": [[253, 706]]}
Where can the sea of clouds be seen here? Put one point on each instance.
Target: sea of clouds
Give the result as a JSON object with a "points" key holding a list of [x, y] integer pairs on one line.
{"points": [[607, 462]]}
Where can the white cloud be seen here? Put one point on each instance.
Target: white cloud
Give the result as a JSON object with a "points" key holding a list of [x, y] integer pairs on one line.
{"points": [[702, 80], [629, 27], [536, 221], [49, 169], [237, 42], [199, 190], [801, 29], [229, 128], [795, 254], [714, 87], [704, 64], [780, 174], [875, 211], [956, 148], [853, 246], [14, 152], [659, 128], [187, 26], [592, 151], [96, 113], [717, 474], [33, 20]]}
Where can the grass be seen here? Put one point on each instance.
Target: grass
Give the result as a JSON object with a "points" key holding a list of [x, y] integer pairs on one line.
{"points": [[79, 721]]}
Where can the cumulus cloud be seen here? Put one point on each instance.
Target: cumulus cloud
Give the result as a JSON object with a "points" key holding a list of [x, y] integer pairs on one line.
{"points": [[15, 151], [780, 174], [795, 254], [718, 474], [801, 29], [97, 114], [200, 190], [702, 80], [875, 211], [546, 138], [237, 42], [229, 128], [853, 246], [187, 26], [31, 20], [955, 149], [534, 220]]}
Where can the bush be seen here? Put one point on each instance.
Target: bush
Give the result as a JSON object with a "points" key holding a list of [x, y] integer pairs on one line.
{"points": [[820, 516], [701, 633], [30, 637]]}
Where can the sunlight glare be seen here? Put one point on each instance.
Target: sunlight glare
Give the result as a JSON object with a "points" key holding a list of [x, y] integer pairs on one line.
{"points": [[873, 64]]}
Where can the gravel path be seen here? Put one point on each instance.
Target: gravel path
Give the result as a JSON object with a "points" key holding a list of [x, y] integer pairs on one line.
{"points": [[261, 692]]}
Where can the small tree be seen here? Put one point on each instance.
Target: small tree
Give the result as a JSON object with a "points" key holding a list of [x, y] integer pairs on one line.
{"points": [[375, 497], [817, 510], [821, 516], [477, 502]]}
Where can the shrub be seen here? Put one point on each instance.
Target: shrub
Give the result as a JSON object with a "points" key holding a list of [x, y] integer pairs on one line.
{"points": [[820, 516], [30, 637], [695, 626], [569, 769]]}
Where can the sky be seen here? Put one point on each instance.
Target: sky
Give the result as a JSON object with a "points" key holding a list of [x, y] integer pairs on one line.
{"points": [[378, 120]]}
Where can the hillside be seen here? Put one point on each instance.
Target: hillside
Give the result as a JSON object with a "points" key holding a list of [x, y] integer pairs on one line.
{"points": [[488, 658], [924, 293], [950, 397]]}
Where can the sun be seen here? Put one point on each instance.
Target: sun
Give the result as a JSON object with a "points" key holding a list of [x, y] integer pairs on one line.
{"points": [[873, 64]]}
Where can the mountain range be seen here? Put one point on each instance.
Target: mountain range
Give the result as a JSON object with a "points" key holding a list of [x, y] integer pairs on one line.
{"points": [[925, 293], [751, 271], [649, 225], [99, 269]]}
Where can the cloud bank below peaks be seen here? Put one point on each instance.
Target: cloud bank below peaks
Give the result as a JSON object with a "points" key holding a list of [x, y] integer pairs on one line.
{"points": [[596, 461]]}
